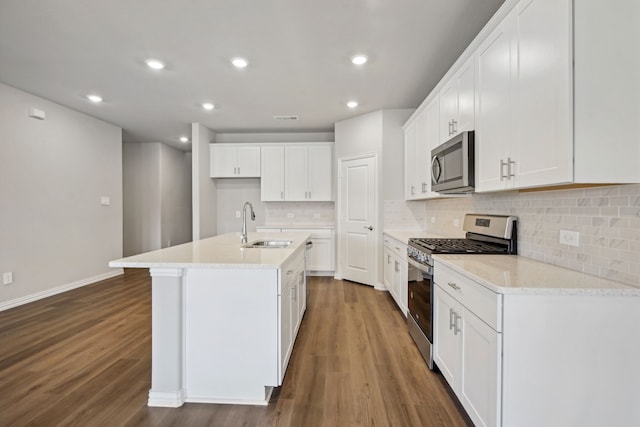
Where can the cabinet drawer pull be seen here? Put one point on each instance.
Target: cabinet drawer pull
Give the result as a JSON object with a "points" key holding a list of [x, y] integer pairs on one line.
{"points": [[502, 165], [454, 286]]}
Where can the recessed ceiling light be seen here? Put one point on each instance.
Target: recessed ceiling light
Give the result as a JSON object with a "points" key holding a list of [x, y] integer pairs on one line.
{"points": [[359, 59], [239, 62], [352, 104], [208, 106], [94, 98], [184, 139], [155, 64]]}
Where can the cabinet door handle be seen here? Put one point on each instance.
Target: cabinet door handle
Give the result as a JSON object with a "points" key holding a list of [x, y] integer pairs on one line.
{"points": [[413, 190], [451, 318], [424, 187], [454, 286], [282, 195], [456, 329], [388, 259], [238, 170], [397, 268], [309, 194], [411, 295], [450, 127], [502, 175], [510, 173], [454, 126], [289, 272]]}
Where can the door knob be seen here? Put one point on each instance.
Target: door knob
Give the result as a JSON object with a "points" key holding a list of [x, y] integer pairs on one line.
{"points": [[370, 228]]}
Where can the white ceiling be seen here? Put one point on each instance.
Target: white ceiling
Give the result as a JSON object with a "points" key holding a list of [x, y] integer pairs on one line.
{"points": [[299, 53]]}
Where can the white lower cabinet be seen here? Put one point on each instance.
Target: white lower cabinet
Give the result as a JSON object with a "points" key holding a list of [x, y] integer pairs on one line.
{"points": [[535, 357], [292, 307], [395, 268], [467, 350]]}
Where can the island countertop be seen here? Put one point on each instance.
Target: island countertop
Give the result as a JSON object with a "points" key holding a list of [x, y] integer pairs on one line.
{"points": [[223, 251]]}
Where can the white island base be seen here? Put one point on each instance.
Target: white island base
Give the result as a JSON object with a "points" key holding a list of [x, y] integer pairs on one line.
{"points": [[224, 333]]}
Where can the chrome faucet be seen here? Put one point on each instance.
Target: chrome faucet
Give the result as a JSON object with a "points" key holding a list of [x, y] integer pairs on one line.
{"points": [[244, 220]]}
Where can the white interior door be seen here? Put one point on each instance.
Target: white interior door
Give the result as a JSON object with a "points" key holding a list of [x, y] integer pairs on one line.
{"points": [[358, 220]]}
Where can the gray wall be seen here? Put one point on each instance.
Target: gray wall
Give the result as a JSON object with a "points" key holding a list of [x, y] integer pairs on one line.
{"points": [[157, 197], [379, 132], [54, 232], [204, 198]]}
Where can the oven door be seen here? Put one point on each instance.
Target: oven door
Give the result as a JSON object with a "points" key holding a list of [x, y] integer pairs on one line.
{"points": [[420, 305]]}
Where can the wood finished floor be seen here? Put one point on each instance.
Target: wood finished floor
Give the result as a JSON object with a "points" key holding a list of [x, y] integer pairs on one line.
{"points": [[83, 358]]}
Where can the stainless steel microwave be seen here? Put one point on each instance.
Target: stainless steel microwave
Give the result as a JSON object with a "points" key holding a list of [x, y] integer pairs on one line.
{"points": [[452, 165]]}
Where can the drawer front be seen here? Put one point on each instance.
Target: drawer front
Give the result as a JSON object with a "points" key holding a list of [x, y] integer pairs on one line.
{"points": [[396, 247], [485, 304]]}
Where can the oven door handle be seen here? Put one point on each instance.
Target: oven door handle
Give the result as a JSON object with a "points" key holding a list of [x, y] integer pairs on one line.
{"points": [[424, 268]]}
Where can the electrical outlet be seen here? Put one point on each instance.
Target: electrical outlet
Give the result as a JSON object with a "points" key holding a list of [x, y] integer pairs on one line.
{"points": [[570, 238], [105, 200], [290, 216], [7, 278], [237, 214]]}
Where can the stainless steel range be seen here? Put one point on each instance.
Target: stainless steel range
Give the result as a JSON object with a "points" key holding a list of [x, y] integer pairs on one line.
{"points": [[485, 234]]}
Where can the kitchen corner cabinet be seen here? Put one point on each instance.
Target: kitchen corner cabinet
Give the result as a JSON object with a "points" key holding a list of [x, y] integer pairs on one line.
{"points": [[396, 270], [234, 161], [297, 172], [457, 102]]}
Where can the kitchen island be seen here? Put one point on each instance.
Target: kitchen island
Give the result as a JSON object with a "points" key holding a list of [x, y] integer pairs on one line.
{"points": [[224, 317]]}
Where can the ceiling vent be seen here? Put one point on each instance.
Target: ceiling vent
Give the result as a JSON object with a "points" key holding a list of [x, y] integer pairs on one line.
{"points": [[285, 118]]}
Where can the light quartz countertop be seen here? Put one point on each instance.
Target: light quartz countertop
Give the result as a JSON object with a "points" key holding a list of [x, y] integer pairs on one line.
{"points": [[513, 274], [223, 251], [403, 236]]}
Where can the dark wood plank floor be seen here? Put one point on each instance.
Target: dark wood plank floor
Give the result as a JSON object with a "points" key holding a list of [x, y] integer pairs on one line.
{"points": [[84, 357]]}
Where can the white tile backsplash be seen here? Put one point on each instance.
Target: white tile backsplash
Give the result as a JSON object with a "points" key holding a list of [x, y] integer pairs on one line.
{"points": [[304, 213], [607, 218], [401, 215]]}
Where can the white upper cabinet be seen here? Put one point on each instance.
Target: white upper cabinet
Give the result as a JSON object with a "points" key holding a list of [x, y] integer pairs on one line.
{"points": [[410, 180], [272, 173], [457, 102], [234, 161], [320, 172], [421, 135], [547, 107], [524, 117], [297, 172]]}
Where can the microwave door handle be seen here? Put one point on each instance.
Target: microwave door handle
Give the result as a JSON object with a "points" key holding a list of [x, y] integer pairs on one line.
{"points": [[435, 164]]}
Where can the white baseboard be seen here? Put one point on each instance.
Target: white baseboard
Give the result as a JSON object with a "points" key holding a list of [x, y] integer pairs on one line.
{"points": [[380, 287], [166, 399], [59, 289]]}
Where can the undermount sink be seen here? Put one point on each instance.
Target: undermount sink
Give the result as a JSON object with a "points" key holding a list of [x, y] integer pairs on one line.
{"points": [[268, 244]]}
